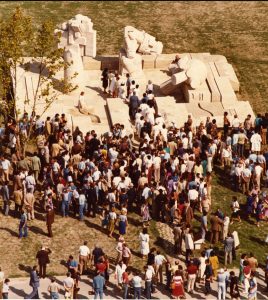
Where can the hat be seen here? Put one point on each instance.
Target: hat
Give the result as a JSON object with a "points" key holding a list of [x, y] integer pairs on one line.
{"points": [[221, 270]]}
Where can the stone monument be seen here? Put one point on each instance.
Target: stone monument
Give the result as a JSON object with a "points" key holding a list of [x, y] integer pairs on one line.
{"points": [[136, 44], [78, 39]]}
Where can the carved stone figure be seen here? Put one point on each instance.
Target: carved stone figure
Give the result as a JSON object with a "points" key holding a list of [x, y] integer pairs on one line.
{"points": [[78, 39], [136, 43], [193, 71]]}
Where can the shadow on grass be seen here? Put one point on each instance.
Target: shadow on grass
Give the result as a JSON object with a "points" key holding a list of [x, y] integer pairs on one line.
{"points": [[12, 232], [37, 230], [24, 268]]}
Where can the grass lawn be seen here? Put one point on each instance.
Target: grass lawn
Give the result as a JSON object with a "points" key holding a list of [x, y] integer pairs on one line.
{"points": [[237, 30]]}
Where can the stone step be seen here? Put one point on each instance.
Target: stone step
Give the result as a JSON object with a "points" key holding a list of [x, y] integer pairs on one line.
{"points": [[167, 87], [226, 70]]}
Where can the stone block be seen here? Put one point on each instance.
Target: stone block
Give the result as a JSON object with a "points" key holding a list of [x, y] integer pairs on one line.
{"points": [[148, 61], [215, 94], [178, 78], [225, 69], [167, 87], [118, 113], [200, 56], [226, 90], [214, 58], [201, 94], [91, 63]]}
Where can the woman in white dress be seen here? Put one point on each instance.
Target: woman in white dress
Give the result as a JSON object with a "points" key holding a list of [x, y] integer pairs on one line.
{"points": [[144, 239], [81, 101]]}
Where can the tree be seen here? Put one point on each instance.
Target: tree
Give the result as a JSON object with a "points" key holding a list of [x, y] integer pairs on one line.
{"points": [[47, 60]]}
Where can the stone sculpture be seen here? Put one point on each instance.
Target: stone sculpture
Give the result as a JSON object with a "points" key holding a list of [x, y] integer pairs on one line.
{"points": [[136, 43], [78, 40], [193, 71]]}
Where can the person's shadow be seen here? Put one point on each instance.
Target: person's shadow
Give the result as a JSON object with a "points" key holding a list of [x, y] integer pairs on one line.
{"points": [[17, 292]]}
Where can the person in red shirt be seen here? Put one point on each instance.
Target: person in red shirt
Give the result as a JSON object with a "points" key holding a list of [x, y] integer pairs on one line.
{"points": [[192, 271], [101, 266], [126, 283]]}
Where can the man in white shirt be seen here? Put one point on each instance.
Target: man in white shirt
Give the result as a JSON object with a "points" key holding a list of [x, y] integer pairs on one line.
{"points": [[5, 164], [68, 284], [159, 260], [84, 257], [258, 172], [236, 122]]}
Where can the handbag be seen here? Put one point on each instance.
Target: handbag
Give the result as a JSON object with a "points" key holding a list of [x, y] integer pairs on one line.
{"points": [[173, 285]]}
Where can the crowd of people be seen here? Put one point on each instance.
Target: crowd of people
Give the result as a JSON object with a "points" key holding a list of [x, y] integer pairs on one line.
{"points": [[168, 178]]}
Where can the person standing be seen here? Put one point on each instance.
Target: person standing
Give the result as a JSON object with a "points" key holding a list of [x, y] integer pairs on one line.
{"points": [[98, 284], [49, 219], [84, 257], [221, 284], [126, 283], [216, 224], [36, 166], [5, 196], [159, 260], [177, 285], [192, 270], [5, 289], [68, 284], [54, 289], [42, 257], [23, 229], [137, 281], [228, 248], [34, 283], [105, 80], [149, 274], [144, 240], [18, 199]]}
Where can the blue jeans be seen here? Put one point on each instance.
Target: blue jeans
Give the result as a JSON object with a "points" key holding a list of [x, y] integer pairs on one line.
{"points": [[81, 211], [137, 292], [54, 295], [34, 294], [24, 230], [98, 292], [221, 291], [125, 291], [6, 207], [65, 208]]}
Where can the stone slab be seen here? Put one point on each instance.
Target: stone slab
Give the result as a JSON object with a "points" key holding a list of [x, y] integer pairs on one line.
{"points": [[167, 87], [225, 69], [148, 61], [227, 93], [119, 113], [200, 56], [202, 94], [215, 94], [214, 58]]}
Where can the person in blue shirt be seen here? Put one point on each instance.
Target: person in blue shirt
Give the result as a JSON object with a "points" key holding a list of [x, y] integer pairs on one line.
{"points": [[23, 229], [72, 266], [98, 285]]}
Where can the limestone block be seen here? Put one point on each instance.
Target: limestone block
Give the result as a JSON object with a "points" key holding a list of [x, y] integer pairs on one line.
{"points": [[178, 78], [91, 42], [225, 69], [227, 93], [214, 70], [200, 56], [201, 94], [148, 61], [167, 87], [118, 113], [214, 58], [215, 94], [91, 63]]}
